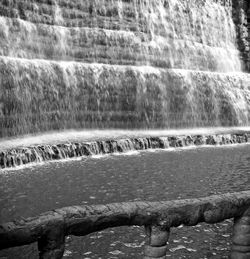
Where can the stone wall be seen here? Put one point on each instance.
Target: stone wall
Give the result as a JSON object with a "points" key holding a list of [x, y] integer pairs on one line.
{"points": [[248, 25], [241, 16]]}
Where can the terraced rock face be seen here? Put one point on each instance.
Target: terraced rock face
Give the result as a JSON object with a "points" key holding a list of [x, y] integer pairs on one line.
{"points": [[117, 63], [169, 34]]}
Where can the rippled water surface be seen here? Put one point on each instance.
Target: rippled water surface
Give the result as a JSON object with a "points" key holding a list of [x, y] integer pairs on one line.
{"points": [[160, 175]]}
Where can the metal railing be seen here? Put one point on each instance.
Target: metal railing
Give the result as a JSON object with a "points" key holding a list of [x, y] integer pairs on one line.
{"points": [[50, 229]]}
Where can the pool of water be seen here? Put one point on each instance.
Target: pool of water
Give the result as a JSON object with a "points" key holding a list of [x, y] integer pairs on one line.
{"points": [[153, 176]]}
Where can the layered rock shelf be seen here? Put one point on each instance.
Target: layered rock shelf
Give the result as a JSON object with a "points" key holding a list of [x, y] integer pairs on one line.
{"points": [[194, 35], [40, 153], [122, 64], [49, 95]]}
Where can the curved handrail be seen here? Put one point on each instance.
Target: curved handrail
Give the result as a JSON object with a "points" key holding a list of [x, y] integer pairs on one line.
{"points": [[82, 220]]}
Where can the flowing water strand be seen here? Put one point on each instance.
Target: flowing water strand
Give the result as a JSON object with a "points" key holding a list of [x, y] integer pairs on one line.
{"points": [[119, 64]]}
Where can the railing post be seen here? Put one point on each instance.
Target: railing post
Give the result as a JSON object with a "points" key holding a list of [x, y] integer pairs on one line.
{"points": [[241, 237], [51, 245], [156, 246]]}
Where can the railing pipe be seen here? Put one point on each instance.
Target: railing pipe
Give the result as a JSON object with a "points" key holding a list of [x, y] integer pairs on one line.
{"points": [[50, 228]]}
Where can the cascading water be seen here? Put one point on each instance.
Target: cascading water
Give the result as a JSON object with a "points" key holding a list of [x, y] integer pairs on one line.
{"points": [[124, 64], [169, 34], [117, 64], [128, 64]]}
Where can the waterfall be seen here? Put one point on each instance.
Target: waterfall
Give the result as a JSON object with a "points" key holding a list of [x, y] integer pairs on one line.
{"points": [[39, 153], [170, 34], [119, 64]]}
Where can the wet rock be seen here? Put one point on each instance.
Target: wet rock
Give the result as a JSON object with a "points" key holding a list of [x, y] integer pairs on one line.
{"points": [[15, 157], [199, 140], [188, 141]]}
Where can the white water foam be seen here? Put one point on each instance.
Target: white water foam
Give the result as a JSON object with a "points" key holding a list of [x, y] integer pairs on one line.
{"points": [[124, 154], [67, 136]]}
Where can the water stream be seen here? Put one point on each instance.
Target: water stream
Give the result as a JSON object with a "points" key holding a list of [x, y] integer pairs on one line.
{"points": [[119, 64]]}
